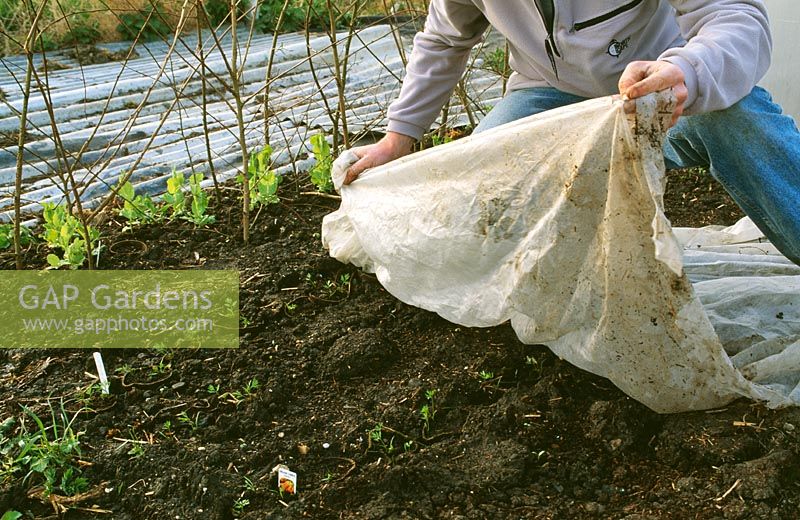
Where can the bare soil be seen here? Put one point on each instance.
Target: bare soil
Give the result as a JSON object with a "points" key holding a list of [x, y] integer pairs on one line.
{"points": [[516, 433]]}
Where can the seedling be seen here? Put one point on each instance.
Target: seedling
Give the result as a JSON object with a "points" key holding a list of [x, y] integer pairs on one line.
{"points": [[251, 386], [166, 428], [193, 423], [488, 378], [11, 515], [237, 396], [124, 369], [199, 205], [320, 173], [7, 236], [65, 232], [376, 439], [213, 389], [263, 182], [331, 288], [486, 375], [138, 209], [239, 505], [230, 307], [86, 394], [248, 484], [175, 198], [376, 433], [428, 411], [47, 451], [160, 368], [136, 451]]}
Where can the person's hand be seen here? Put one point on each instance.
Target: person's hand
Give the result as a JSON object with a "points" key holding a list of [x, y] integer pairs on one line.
{"points": [[643, 77], [392, 146]]}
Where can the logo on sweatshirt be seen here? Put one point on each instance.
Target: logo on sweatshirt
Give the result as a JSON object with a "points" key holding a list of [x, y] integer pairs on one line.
{"points": [[616, 47]]}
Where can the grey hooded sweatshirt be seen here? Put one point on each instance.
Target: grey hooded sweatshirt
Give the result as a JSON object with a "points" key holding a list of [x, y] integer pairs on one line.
{"points": [[582, 47]]}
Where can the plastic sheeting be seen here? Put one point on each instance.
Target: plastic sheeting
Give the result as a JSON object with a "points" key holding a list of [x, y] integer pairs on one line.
{"points": [[555, 222]]}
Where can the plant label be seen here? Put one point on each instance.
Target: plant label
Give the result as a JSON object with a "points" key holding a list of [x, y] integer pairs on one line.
{"points": [[287, 481]]}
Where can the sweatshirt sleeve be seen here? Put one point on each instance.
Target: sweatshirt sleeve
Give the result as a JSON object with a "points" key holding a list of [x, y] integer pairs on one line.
{"points": [[436, 64], [727, 51]]}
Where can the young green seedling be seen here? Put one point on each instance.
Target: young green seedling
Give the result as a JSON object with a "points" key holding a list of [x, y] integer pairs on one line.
{"points": [[137, 449], [138, 209], [251, 386], [263, 182], [239, 505], [175, 198], [50, 452], [192, 423], [199, 205], [376, 439], [320, 173], [65, 232], [237, 396], [7, 236], [428, 411]]}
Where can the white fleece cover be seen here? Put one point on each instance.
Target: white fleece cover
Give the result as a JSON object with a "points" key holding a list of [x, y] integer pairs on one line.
{"points": [[555, 222]]}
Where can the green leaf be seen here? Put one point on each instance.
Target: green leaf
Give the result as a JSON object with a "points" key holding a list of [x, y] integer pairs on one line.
{"points": [[320, 146], [175, 183], [75, 253], [39, 465], [53, 260], [11, 515], [320, 173], [264, 158], [127, 192]]}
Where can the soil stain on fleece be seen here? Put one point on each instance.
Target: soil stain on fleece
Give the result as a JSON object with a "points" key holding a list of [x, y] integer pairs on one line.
{"points": [[344, 371]]}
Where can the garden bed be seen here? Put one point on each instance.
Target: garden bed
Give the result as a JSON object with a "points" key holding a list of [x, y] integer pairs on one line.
{"points": [[383, 410]]}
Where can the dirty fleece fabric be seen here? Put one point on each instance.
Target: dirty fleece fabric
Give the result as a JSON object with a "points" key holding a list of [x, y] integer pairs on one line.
{"points": [[582, 47], [566, 238]]}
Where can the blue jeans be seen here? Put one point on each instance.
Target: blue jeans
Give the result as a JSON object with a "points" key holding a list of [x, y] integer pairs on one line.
{"points": [[750, 148]]}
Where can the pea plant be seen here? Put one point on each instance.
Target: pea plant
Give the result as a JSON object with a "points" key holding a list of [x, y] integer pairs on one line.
{"points": [[262, 181], [175, 198], [321, 172], [64, 232], [7, 236], [198, 215], [138, 209]]}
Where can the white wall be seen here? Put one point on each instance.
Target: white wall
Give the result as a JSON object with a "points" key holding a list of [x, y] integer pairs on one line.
{"points": [[783, 77]]}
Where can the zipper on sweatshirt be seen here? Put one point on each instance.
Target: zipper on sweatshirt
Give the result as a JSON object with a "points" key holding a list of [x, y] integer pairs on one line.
{"points": [[577, 26], [547, 10]]}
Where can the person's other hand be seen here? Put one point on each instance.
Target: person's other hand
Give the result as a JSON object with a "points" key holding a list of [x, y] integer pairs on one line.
{"points": [[392, 146], [643, 77]]}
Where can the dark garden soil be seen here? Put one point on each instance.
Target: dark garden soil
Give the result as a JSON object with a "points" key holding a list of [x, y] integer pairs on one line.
{"points": [[513, 431]]}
